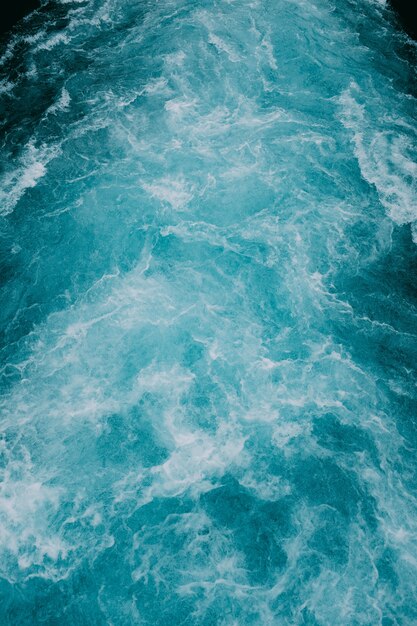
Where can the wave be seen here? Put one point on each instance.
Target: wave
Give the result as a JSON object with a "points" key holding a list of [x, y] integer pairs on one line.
{"points": [[386, 155]]}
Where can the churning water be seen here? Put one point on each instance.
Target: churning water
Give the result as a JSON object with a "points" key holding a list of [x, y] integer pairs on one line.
{"points": [[209, 315]]}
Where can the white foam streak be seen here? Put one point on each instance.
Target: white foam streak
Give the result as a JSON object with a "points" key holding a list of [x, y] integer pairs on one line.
{"points": [[386, 158], [31, 168]]}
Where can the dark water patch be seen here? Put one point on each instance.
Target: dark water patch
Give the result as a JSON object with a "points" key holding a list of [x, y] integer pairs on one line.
{"points": [[407, 13], [13, 12]]}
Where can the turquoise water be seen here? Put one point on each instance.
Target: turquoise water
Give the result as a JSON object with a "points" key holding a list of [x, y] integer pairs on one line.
{"points": [[208, 320]]}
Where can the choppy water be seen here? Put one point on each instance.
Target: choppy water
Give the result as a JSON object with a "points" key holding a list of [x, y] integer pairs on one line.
{"points": [[208, 320]]}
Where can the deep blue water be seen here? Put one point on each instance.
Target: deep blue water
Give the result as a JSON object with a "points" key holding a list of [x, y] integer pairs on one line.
{"points": [[208, 315]]}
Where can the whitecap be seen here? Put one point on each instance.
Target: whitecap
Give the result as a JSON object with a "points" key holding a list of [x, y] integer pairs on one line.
{"points": [[32, 166], [386, 157]]}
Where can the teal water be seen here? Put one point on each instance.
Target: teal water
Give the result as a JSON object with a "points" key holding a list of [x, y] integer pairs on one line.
{"points": [[209, 315]]}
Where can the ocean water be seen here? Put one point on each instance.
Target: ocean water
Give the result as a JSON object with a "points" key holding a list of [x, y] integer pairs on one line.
{"points": [[208, 227]]}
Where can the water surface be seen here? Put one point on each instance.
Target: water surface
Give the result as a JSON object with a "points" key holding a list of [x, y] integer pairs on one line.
{"points": [[208, 320]]}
